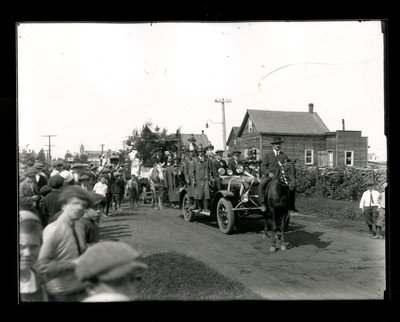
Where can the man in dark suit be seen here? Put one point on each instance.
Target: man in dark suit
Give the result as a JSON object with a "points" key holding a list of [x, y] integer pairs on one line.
{"points": [[41, 179], [234, 161], [217, 163], [269, 167]]}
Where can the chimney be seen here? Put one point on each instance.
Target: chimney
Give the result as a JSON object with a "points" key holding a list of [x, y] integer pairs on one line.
{"points": [[202, 131], [343, 124], [311, 108]]}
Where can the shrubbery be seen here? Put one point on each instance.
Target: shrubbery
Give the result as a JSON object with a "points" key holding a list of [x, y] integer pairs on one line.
{"points": [[339, 183]]}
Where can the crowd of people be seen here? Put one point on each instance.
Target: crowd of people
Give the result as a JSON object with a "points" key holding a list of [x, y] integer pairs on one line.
{"points": [[61, 255], [60, 208]]}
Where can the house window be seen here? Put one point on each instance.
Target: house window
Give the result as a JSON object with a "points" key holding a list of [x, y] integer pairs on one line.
{"points": [[348, 157], [234, 143], [250, 125], [309, 156]]}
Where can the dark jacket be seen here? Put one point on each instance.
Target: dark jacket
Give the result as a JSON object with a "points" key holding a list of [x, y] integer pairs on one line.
{"points": [[270, 162], [215, 165], [232, 164], [117, 187], [42, 181], [202, 179], [87, 231], [52, 203], [26, 192]]}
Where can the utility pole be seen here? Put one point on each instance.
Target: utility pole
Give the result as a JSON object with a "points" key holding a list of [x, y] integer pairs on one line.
{"points": [[49, 145], [101, 159], [223, 101]]}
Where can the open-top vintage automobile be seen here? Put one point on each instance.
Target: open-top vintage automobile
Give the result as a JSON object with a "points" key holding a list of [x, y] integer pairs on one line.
{"points": [[237, 198]]}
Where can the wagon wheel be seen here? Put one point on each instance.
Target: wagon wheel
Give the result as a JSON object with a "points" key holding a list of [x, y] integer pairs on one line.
{"points": [[225, 215], [188, 215]]}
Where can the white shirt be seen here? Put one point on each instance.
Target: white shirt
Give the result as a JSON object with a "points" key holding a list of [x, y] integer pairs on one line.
{"points": [[100, 188], [366, 199], [276, 152], [30, 285]]}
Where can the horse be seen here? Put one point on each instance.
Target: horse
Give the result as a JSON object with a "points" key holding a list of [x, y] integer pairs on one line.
{"points": [[156, 179], [132, 190], [278, 201]]}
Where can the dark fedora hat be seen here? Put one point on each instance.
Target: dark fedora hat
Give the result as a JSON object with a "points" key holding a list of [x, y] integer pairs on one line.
{"points": [[277, 140]]}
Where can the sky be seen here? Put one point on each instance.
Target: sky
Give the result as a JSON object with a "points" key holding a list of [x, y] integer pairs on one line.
{"points": [[94, 83]]}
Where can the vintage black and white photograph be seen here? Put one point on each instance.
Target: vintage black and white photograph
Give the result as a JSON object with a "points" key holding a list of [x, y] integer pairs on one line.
{"points": [[201, 161]]}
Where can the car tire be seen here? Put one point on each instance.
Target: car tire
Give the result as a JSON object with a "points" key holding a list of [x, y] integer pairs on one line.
{"points": [[188, 215], [225, 215]]}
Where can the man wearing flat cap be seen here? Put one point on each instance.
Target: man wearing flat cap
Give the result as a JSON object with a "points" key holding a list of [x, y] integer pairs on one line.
{"points": [[61, 247], [86, 227], [110, 270], [53, 203], [29, 193], [269, 167], [41, 178]]}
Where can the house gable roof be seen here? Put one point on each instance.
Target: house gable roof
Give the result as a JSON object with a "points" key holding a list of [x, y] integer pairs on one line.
{"points": [[266, 121], [234, 131]]}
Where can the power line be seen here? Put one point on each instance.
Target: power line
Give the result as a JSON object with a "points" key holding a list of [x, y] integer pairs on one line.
{"points": [[49, 145]]}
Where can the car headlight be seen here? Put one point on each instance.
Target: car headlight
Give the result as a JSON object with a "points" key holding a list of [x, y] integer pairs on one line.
{"points": [[230, 172], [221, 171], [244, 197], [239, 169]]}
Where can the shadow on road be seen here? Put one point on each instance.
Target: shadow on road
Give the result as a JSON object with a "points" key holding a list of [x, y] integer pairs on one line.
{"points": [[115, 232], [299, 237]]}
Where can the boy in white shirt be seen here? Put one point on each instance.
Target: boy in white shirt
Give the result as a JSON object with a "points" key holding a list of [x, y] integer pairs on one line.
{"points": [[101, 188], [369, 207]]}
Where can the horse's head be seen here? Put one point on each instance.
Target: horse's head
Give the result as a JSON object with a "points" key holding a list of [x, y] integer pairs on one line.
{"points": [[159, 170], [286, 174]]}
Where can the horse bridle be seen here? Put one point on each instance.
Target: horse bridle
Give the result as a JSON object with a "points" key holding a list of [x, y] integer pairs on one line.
{"points": [[284, 181]]}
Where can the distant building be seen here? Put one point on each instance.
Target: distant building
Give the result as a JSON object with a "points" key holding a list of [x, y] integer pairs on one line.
{"points": [[233, 143], [95, 156], [306, 137], [201, 139], [372, 157]]}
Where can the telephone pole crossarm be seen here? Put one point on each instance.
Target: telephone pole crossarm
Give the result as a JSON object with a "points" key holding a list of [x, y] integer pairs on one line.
{"points": [[49, 145]]}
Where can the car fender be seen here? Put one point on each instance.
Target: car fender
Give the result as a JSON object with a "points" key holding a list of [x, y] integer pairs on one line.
{"points": [[221, 194]]}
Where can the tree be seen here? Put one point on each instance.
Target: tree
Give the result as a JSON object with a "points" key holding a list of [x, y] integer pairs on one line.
{"points": [[41, 157], [67, 156], [80, 158], [27, 156], [146, 141]]}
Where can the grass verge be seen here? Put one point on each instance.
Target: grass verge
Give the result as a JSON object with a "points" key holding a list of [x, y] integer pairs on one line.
{"points": [[336, 213], [172, 276]]}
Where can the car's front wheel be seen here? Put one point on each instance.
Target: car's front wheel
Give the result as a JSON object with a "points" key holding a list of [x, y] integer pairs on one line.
{"points": [[225, 215]]}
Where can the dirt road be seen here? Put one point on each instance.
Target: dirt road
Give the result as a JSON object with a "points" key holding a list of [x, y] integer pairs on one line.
{"points": [[321, 262]]}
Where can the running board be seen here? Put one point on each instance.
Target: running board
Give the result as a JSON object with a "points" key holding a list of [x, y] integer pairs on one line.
{"points": [[198, 212]]}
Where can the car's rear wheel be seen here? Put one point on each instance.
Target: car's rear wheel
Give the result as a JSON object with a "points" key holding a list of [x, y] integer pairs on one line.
{"points": [[188, 215], [225, 215]]}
